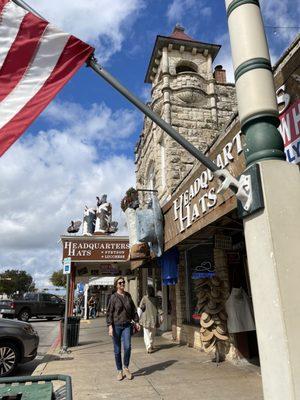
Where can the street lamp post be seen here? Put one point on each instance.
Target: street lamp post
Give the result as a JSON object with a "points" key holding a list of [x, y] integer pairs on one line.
{"points": [[272, 234]]}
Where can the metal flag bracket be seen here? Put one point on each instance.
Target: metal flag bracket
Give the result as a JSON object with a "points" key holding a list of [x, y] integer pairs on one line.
{"points": [[242, 187], [245, 188]]}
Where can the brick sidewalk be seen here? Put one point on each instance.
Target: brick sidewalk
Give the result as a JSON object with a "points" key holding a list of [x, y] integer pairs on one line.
{"points": [[172, 372]]}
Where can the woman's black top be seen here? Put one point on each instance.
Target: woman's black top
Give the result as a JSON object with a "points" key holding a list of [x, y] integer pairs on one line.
{"points": [[121, 309]]}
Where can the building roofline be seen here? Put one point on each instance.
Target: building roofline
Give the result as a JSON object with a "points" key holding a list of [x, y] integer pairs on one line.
{"points": [[162, 41], [286, 52]]}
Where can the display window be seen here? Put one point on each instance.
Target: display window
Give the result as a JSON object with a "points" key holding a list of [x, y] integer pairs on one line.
{"points": [[200, 269]]}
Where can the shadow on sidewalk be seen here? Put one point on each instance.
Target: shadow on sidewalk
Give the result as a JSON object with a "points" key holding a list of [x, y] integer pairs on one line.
{"points": [[86, 342], [153, 368], [167, 346], [54, 357]]}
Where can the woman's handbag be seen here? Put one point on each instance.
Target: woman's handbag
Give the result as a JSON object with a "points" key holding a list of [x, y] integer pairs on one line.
{"points": [[134, 330]]}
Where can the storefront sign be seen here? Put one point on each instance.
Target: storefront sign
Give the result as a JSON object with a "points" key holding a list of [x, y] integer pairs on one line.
{"points": [[67, 266], [95, 249], [200, 197], [205, 270], [99, 270], [290, 132], [196, 204]]}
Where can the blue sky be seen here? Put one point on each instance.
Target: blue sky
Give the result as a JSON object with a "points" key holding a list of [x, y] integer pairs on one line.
{"points": [[82, 145]]}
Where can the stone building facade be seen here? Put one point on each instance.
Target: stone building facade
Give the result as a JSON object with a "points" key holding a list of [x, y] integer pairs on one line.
{"points": [[194, 99]]}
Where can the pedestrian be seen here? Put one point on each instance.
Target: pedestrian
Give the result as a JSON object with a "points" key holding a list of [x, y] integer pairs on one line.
{"points": [[92, 307], [151, 317], [121, 318], [98, 307]]}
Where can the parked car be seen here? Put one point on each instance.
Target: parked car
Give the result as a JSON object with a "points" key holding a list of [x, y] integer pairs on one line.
{"points": [[18, 345], [33, 305]]}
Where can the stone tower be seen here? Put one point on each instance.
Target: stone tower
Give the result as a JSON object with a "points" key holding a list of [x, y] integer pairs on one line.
{"points": [[194, 99]]}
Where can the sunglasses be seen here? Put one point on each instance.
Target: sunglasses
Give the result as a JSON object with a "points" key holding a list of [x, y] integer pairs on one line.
{"points": [[121, 283]]}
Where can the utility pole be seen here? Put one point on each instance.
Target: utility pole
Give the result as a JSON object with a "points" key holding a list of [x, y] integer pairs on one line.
{"points": [[272, 234]]}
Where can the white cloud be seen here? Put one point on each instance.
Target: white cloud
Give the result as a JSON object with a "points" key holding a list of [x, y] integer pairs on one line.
{"points": [[47, 179], [178, 9], [101, 23], [281, 14], [146, 93], [275, 13]]}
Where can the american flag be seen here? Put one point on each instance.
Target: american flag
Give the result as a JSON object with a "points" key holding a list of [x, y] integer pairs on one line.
{"points": [[36, 60]]}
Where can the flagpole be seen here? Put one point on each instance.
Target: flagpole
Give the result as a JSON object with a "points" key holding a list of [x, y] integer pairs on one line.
{"points": [[241, 187], [92, 62], [24, 5]]}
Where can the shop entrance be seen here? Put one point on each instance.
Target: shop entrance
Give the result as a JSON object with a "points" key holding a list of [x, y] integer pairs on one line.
{"points": [[219, 250], [246, 342], [229, 230]]}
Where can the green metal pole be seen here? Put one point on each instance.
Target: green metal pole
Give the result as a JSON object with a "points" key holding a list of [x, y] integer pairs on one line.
{"points": [[255, 89], [272, 234], [65, 334]]}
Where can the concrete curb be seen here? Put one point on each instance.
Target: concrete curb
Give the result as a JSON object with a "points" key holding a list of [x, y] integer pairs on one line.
{"points": [[53, 349]]}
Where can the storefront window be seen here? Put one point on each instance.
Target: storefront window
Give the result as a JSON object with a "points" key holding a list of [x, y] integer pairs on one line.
{"points": [[200, 267]]}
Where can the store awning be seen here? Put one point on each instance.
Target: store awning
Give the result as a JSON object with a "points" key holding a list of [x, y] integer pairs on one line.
{"points": [[102, 281]]}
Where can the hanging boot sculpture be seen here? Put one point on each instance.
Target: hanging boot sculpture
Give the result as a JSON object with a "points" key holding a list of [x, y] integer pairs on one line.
{"points": [[145, 226]]}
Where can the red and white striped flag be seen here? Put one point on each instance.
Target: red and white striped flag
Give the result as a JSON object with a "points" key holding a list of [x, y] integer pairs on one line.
{"points": [[36, 60]]}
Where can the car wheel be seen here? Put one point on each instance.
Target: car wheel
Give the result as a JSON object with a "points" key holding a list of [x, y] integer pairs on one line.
{"points": [[9, 355], [24, 315]]}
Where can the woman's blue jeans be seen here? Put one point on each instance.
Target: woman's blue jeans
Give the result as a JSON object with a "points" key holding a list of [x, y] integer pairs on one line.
{"points": [[122, 333]]}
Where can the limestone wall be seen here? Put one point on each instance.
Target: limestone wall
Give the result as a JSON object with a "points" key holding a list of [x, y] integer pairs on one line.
{"points": [[196, 105]]}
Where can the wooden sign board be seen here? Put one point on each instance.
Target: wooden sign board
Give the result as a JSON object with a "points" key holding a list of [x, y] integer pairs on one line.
{"points": [[196, 203], [96, 249]]}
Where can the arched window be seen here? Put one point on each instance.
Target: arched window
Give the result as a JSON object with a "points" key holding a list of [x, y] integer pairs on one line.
{"points": [[186, 66], [151, 176]]}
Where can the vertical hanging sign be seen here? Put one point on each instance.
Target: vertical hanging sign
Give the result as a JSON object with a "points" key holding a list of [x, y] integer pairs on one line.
{"points": [[67, 265]]}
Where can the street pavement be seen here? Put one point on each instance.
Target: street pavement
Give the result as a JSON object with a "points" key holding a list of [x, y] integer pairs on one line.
{"points": [[172, 372], [48, 331]]}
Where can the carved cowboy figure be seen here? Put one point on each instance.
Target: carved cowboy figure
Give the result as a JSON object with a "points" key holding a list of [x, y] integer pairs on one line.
{"points": [[89, 220], [104, 223]]}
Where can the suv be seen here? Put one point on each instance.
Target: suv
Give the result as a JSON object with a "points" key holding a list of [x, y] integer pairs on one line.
{"points": [[18, 345]]}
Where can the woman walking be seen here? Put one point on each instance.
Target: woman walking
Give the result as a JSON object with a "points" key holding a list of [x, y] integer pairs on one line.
{"points": [[121, 312], [92, 307], [150, 318]]}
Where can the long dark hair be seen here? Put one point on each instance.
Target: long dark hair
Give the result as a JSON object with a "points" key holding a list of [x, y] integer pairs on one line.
{"points": [[150, 291]]}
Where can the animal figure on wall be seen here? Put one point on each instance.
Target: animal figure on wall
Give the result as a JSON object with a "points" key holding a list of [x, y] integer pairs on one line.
{"points": [[74, 227], [104, 223], [89, 221], [113, 227]]}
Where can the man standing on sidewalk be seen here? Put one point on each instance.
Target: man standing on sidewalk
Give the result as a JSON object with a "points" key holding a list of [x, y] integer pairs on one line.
{"points": [[121, 317]]}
